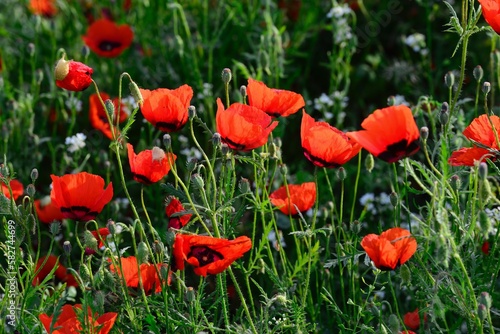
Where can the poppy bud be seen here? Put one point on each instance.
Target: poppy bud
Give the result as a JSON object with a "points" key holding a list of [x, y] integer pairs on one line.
{"points": [[341, 173], [393, 197], [55, 228], [391, 100], [34, 175], [483, 170], [98, 300], [190, 294], [31, 222], [31, 49], [72, 75], [226, 75], [224, 149], [485, 299], [478, 73], [191, 164], [167, 141], [486, 88], [85, 272], [243, 91], [170, 237], [455, 182], [443, 116], [278, 141], [111, 225], [164, 272], [67, 247], [484, 222], [283, 169], [136, 93], [89, 240], [108, 279], [369, 162], [355, 226], [30, 190], [216, 139], [142, 253], [424, 133], [110, 109], [449, 79], [191, 112], [197, 181], [482, 312], [244, 186], [394, 323], [158, 247]]}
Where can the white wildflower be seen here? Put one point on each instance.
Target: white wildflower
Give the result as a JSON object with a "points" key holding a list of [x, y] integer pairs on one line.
{"points": [[76, 142]]}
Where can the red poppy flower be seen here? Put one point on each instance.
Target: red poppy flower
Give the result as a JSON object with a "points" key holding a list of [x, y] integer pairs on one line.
{"points": [[46, 211], [60, 273], [390, 249], [243, 127], [80, 196], [274, 102], [149, 166], [97, 114], [167, 109], [208, 255], [46, 8], [302, 197], [68, 321], [407, 332], [412, 319], [101, 235], [107, 39], [150, 279], [72, 75], [481, 132], [324, 145], [390, 133], [16, 187], [485, 248], [175, 206], [491, 13]]}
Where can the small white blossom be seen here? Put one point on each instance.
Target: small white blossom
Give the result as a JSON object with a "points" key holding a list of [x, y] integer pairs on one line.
{"points": [[73, 103], [76, 142], [417, 43], [400, 99]]}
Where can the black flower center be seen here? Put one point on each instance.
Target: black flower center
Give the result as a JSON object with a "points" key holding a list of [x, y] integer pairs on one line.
{"points": [[109, 45], [205, 255]]}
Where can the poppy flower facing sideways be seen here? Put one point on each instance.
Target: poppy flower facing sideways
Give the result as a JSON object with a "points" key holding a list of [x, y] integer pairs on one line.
{"points": [[390, 249], [167, 109], [274, 102], [481, 132], [150, 280], [491, 13], [80, 196], [60, 273], [107, 39], [72, 75], [68, 321], [175, 206], [45, 8], [208, 255], [412, 320], [390, 134], [149, 166], [46, 211], [242, 127], [324, 145], [16, 187], [302, 197]]}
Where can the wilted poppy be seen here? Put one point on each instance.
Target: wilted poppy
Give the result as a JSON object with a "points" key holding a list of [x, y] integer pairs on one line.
{"points": [[390, 249], [175, 206], [16, 187], [68, 321], [100, 235], [149, 166], [167, 109], [97, 114], [480, 131], [390, 133], [412, 319], [324, 145], [274, 102], [208, 255], [47, 211], [46, 8], [491, 13], [60, 273], [107, 39], [72, 75], [299, 197], [149, 276], [243, 127], [80, 196]]}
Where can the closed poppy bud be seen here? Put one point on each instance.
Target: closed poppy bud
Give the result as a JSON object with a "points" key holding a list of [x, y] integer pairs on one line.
{"points": [[197, 181], [167, 141], [486, 88], [283, 169], [191, 164], [135, 92], [243, 91], [191, 112], [341, 173], [226, 75], [405, 275], [72, 75], [164, 272], [391, 100], [170, 237], [483, 170], [424, 133], [190, 294], [142, 253], [89, 240], [110, 108], [34, 175], [455, 182], [30, 190], [216, 139], [394, 323], [393, 197], [449, 79], [55, 228], [369, 162], [485, 299], [482, 312], [484, 222], [67, 247], [85, 272], [111, 225], [244, 186], [478, 73]]}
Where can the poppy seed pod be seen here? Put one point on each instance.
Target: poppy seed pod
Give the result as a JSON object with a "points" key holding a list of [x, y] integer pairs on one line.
{"points": [[72, 75]]}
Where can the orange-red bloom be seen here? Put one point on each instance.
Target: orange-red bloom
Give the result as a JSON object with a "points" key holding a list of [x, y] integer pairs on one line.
{"points": [[324, 145], [208, 255], [97, 114], [390, 249], [16, 187], [46, 211], [68, 321], [149, 166], [72, 75], [80, 196], [167, 109], [274, 102], [107, 39], [390, 133], [491, 13], [46, 8], [302, 198], [481, 132], [175, 206], [243, 127], [51, 262], [100, 235], [412, 319], [150, 280]]}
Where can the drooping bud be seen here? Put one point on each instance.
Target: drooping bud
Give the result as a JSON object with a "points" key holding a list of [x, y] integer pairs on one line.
{"points": [[142, 253], [394, 323], [369, 162], [84, 272], [478, 73], [283, 169], [158, 247], [164, 272], [89, 240], [136, 93], [486, 88], [226, 75], [424, 133], [191, 112], [449, 79]]}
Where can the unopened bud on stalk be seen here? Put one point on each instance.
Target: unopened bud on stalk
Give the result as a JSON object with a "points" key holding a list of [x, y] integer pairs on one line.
{"points": [[55, 228], [110, 109], [394, 323], [216, 139], [224, 149], [478, 73], [31, 222], [391, 100], [167, 141], [482, 312], [67, 247], [170, 237], [89, 240], [278, 141], [226, 75], [142, 252], [449, 79], [244, 186], [405, 274], [382, 329], [34, 175], [197, 181], [484, 221], [191, 164], [394, 198], [483, 170], [369, 162], [445, 107], [164, 272], [486, 88], [455, 182], [191, 112], [283, 169], [485, 299], [355, 227], [158, 247], [111, 225], [30, 190], [444, 115], [190, 294], [85, 272], [136, 93], [341, 173], [243, 91], [424, 133]]}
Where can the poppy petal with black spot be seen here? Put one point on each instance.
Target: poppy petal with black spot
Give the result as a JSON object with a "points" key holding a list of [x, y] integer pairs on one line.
{"points": [[274, 102], [80, 196], [107, 39], [390, 134]]}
